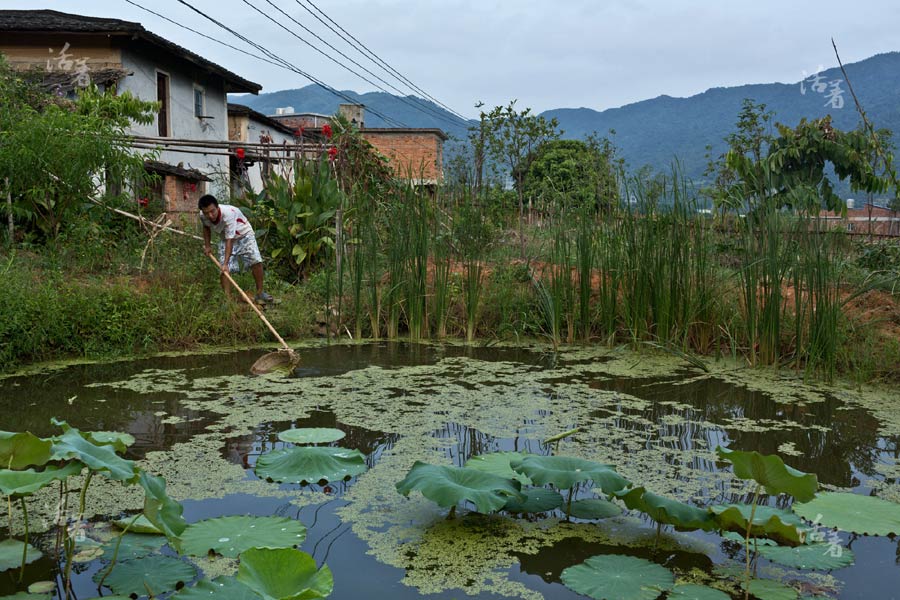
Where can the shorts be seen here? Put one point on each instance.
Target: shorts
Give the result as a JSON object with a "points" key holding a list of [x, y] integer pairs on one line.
{"points": [[244, 253]]}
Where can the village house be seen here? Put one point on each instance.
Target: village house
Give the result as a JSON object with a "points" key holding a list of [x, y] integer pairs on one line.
{"points": [[273, 148], [414, 154], [869, 219], [193, 122]]}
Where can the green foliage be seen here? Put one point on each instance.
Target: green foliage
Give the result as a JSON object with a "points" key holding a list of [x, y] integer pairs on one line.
{"points": [[572, 174], [57, 153], [23, 449], [311, 435], [593, 508], [310, 464], [448, 486], [159, 574], [164, 512], [563, 472], [534, 500], [771, 472], [616, 577], [220, 588], [294, 217], [667, 511], [27, 482], [775, 524], [284, 574], [809, 556], [11, 552], [852, 512], [231, 536]]}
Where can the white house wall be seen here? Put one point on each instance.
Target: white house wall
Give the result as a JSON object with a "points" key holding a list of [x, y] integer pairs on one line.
{"points": [[257, 129], [183, 124]]}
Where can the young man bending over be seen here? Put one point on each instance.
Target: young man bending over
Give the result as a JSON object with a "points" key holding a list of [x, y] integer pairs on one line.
{"points": [[237, 244]]}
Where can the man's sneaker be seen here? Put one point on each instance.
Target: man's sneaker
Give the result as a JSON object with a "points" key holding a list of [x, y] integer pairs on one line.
{"points": [[263, 298]]}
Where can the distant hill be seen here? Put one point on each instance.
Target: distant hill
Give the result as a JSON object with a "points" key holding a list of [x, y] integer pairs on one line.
{"points": [[653, 132]]}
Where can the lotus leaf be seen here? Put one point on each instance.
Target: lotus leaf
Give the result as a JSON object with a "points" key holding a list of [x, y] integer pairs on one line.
{"points": [[133, 545], [594, 508], [766, 589], [140, 525], [448, 486], [118, 440], [696, 592], [42, 587], [683, 517], [773, 523], [771, 472], [230, 536], [223, 588], [616, 577], [536, 500], [27, 596], [155, 574], [103, 459], [161, 510], [563, 472], [311, 435], [812, 556], [498, 463], [24, 483], [310, 464], [11, 554], [21, 450], [284, 574], [852, 512]]}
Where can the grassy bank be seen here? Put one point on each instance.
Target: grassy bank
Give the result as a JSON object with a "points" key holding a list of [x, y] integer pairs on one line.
{"points": [[92, 297]]}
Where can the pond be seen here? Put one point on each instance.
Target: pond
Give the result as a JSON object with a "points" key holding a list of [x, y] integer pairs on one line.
{"points": [[202, 422]]}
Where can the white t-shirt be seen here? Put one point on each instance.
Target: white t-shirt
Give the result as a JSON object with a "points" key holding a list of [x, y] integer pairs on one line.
{"points": [[231, 224]]}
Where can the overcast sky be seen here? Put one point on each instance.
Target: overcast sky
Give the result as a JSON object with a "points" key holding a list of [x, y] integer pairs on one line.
{"points": [[592, 53]]}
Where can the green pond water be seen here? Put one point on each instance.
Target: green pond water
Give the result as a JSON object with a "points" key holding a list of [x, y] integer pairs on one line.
{"points": [[202, 422]]}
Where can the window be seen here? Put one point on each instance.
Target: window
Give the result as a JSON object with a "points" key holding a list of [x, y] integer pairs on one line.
{"points": [[162, 96], [198, 103]]}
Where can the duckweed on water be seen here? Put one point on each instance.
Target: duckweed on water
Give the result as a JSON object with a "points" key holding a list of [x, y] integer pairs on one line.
{"points": [[461, 406]]}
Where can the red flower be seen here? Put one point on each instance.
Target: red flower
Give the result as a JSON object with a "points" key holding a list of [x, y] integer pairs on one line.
{"points": [[143, 201], [326, 130], [239, 153], [298, 132], [332, 153]]}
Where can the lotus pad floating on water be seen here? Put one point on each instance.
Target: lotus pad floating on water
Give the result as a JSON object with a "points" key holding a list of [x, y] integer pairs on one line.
{"points": [[133, 545], [498, 463], [615, 577], [230, 536], [564, 472], [766, 589], [448, 486], [220, 588], [310, 464], [853, 513], [594, 508], [11, 554], [284, 573], [158, 574], [536, 500], [812, 556], [664, 510], [311, 435], [696, 592], [771, 472]]}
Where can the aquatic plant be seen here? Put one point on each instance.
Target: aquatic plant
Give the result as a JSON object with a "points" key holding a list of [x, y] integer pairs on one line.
{"points": [[448, 486], [310, 464]]}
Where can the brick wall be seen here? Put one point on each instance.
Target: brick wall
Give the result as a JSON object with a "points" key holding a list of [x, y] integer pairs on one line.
{"points": [[180, 198], [412, 154]]}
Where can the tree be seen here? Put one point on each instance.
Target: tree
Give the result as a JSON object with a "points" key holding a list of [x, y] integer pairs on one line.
{"points": [[574, 172], [511, 138], [57, 153]]}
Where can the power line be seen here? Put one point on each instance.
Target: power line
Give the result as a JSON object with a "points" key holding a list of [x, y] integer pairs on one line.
{"points": [[368, 53], [413, 102], [287, 65], [422, 108]]}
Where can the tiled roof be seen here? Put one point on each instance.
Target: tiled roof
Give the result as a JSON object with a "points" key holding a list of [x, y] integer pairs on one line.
{"points": [[51, 21]]}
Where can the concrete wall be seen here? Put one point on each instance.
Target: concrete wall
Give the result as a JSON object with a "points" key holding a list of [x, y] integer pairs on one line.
{"points": [[183, 124]]}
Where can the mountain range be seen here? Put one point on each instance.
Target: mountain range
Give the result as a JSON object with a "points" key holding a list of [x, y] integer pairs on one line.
{"points": [[654, 132]]}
